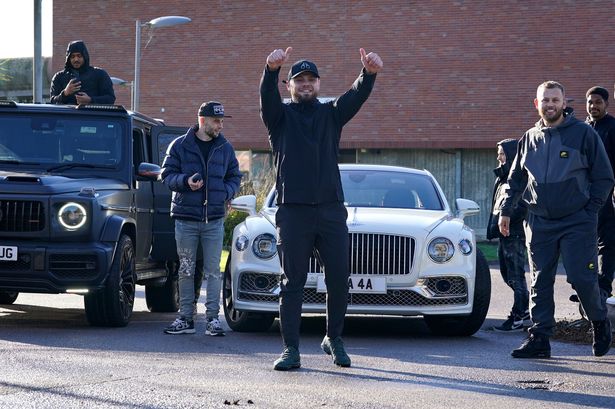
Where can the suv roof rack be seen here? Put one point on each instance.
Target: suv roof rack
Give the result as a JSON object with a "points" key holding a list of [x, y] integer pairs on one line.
{"points": [[102, 107]]}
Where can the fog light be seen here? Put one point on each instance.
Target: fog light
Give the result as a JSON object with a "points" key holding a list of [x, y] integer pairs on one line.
{"points": [[443, 286], [261, 282]]}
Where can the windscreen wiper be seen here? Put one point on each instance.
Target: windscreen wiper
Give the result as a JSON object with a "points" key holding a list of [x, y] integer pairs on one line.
{"points": [[77, 165], [16, 162]]}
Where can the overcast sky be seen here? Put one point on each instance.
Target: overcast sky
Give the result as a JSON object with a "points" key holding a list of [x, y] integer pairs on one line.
{"points": [[17, 22]]}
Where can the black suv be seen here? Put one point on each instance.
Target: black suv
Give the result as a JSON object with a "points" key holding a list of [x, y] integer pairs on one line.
{"points": [[81, 208]]}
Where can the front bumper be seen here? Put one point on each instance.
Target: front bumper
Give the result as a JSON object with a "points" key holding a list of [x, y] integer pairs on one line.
{"points": [[56, 267], [259, 292]]}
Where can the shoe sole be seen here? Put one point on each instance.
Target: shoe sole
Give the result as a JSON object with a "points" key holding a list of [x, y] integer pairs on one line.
{"points": [[215, 334], [327, 351], [536, 355], [508, 330], [286, 368], [180, 332]]}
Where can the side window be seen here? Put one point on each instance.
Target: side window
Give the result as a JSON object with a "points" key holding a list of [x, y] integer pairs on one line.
{"points": [[138, 151], [164, 140]]}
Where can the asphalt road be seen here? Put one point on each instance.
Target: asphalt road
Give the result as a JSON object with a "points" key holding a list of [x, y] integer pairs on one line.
{"points": [[50, 358]]}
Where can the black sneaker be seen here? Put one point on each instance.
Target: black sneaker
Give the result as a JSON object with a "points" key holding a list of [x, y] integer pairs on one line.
{"points": [[180, 326], [214, 328], [602, 337], [289, 359], [512, 324], [335, 348], [534, 346]]}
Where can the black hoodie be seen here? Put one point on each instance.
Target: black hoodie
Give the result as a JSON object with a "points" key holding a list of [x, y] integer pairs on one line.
{"points": [[94, 81], [499, 194]]}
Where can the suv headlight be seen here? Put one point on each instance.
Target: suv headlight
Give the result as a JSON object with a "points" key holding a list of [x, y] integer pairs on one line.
{"points": [[441, 249], [72, 216], [264, 246]]}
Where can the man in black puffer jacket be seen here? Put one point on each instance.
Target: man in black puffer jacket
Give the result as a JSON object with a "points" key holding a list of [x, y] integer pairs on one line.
{"points": [[201, 169], [80, 83], [304, 136], [511, 249]]}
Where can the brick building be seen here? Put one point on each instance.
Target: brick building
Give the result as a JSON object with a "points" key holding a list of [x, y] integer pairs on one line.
{"points": [[458, 77]]}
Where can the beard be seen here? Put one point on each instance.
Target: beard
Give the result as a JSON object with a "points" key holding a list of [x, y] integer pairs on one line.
{"points": [[551, 118], [300, 97]]}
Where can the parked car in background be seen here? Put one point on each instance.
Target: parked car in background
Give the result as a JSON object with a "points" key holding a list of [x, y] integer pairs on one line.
{"points": [[410, 255]]}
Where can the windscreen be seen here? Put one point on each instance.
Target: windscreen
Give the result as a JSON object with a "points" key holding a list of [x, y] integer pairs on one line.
{"points": [[390, 189], [62, 141], [387, 189]]}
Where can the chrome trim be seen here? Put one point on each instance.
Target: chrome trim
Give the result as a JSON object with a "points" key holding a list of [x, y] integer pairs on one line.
{"points": [[375, 254]]}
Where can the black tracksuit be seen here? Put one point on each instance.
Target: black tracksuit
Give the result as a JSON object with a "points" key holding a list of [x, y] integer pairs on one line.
{"points": [[605, 127], [512, 253], [304, 138], [563, 175]]}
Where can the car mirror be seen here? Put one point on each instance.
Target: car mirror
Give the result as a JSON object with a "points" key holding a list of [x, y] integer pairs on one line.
{"points": [[245, 204], [148, 172], [466, 208]]}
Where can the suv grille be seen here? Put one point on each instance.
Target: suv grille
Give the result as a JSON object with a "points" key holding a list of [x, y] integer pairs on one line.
{"points": [[21, 216], [377, 254]]}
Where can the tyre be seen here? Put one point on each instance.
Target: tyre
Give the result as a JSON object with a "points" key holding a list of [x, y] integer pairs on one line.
{"points": [[8, 297], [112, 306], [455, 325], [241, 321], [164, 298]]}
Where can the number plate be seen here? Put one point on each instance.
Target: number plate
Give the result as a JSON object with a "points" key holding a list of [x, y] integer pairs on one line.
{"points": [[8, 253], [358, 284]]}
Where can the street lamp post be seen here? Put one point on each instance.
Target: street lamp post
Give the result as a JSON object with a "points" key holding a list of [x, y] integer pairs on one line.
{"points": [[165, 21], [124, 83]]}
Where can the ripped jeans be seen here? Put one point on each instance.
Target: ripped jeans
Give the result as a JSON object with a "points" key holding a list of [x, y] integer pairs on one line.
{"points": [[188, 235]]}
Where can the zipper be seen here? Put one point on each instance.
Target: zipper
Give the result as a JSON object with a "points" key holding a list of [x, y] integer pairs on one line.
{"points": [[211, 153]]}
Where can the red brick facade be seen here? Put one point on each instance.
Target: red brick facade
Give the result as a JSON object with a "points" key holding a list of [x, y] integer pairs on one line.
{"points": [[458, 74]]}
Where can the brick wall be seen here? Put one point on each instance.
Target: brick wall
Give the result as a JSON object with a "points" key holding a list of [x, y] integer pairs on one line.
{"points": [[458, 74]]}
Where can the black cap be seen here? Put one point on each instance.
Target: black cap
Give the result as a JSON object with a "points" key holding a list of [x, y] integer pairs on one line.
{"points": [[212, 108], [302, 66]]}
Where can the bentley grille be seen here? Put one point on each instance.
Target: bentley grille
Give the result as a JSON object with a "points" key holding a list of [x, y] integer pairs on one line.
{"points": [[375, 254]]}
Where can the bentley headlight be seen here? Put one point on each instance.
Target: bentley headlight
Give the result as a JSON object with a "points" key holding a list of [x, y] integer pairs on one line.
{"points": [[72, 216], [465, 246], [441, 249], [241, 243], [264, 246]]}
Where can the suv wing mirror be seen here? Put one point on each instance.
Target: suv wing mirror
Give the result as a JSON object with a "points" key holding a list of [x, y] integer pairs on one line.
{"points": [[148, 172]]}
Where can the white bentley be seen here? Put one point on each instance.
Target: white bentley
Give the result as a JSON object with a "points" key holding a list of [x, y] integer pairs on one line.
{"points": [[410, 255]]}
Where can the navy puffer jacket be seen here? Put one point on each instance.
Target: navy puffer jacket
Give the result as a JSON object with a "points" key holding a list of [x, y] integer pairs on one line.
{"points": [[220, 173]]}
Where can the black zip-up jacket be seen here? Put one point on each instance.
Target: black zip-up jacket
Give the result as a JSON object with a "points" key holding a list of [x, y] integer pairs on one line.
{"points": [[305, 137], [605, 127], [499, 195], [559, 171], [94, 81], [220, 172]]}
